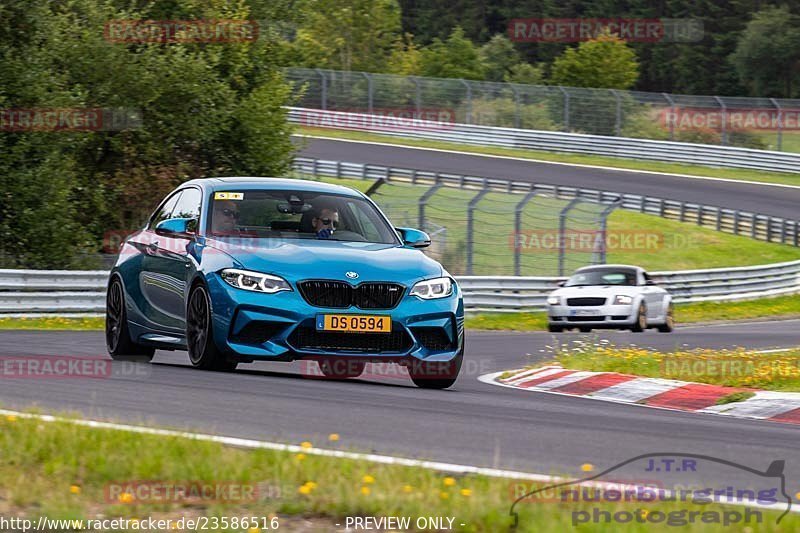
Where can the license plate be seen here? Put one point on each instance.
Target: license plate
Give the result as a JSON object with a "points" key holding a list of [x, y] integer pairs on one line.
{"points": [[355, 323], [583, 312]]}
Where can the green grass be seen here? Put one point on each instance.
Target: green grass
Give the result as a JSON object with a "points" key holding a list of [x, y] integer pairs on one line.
{"points": [[737, 367], [65, 471], [700, 312], [735, 397], [53, 323], [654, 166]]}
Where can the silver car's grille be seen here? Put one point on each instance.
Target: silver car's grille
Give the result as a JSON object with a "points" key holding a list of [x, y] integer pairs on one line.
{"points": [[586, 301]]}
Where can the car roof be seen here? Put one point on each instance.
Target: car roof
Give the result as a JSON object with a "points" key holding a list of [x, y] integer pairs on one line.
{"points": [[239, 183], [600, 267]]}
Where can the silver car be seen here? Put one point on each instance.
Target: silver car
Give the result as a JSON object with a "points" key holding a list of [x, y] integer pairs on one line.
{"points": [[610, 297]]}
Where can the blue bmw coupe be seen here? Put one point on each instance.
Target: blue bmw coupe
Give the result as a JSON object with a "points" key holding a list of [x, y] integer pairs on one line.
{"points": [[238, 270]]}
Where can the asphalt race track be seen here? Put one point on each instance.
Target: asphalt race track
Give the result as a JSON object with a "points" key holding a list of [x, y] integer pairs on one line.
{"points": [[472, 423], [776, 201]]}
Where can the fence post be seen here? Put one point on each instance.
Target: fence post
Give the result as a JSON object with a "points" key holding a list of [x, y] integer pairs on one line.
{"points": [[323, 97], [470, 223], [468, 116], [780, 122], [618, 120], [724, 108], [368, 76], [604, 229], [423, 201], [674, 116], [562, 233], [520, 207], [517, 104], [566, 107]]}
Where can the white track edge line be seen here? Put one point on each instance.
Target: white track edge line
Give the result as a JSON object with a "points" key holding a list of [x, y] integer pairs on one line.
{"points": [[544, 161]]}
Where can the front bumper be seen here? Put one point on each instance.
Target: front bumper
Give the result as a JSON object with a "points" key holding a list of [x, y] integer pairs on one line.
{"points": [[600, 316], [252, 326]]}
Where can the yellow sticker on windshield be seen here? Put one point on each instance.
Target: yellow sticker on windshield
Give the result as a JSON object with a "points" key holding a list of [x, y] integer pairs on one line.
{"points": [[228, 196]]}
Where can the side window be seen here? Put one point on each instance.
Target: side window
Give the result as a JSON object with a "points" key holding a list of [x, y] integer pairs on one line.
{"points": [[188, 206], [371, 233], [165, 211]]}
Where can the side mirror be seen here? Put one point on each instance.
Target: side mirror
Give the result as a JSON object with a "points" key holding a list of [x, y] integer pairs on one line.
{"points": [[649, 282], [561, 283], [414, 237], [177, 227]]}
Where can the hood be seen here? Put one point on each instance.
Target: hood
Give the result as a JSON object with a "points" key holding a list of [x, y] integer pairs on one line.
{"points": [[301, 259], [606, 291]]}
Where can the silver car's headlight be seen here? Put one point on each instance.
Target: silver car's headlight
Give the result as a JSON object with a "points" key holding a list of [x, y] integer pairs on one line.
{"points": [[430, 289], [553, 300], [622, 299], [254, 281]]}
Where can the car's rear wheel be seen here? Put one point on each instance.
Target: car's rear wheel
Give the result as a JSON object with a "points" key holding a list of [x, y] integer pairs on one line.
{"points": [[641, 319], [341, 368], [203, 351], [118, 335], [669, 325], [555, 329], [436, 374]]}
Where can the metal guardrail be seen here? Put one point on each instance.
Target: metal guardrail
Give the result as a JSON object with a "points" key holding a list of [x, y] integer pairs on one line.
{"points": [[25, 292], [630, 148], [722, 120], [754, 225]]}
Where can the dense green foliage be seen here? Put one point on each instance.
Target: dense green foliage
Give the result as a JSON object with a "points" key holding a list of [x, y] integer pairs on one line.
{"points": [[206, 109]]}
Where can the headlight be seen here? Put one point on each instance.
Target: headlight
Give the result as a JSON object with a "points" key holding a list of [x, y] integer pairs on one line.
{"points": [[433, 288], [254, 281], [553, 300], [621, 299]]}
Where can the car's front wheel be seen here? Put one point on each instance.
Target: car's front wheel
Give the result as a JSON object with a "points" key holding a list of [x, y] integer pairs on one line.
{"points": [[203, 351], [555, 329], [436, 374], [641, 319], [118, 335]]}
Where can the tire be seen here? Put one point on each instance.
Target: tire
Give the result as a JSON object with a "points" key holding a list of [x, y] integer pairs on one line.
{"points": [[341, 368], [203, 351], [585, 330], [426, 375], [118, 336], [641, 319], [555, 329], [669, 325]]}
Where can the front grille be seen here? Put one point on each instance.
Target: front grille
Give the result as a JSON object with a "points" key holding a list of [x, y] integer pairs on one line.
{"points": [[586, 318], [341, 295], [308, 338], [258, 332], [586, 301], [433, 338]]}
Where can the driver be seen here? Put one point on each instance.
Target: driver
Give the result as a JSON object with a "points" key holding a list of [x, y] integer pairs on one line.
{"points": [[225, 217], [325, 222]]}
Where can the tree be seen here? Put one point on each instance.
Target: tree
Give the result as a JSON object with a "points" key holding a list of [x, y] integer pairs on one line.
{"points": [[457, 57], [525, 73], [498, 57], [348, 34], [767, 56], [605, 62]]}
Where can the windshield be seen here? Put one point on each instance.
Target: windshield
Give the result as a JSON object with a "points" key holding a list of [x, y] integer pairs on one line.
{"points": [[603, 277], [297, 215]]}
